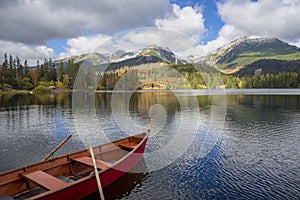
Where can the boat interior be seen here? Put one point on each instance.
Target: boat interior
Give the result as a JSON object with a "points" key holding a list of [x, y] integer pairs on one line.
{"points": [[59, 172]]}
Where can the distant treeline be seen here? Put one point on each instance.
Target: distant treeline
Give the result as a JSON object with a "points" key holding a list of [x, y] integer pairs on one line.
{"points": [[200, 77], [280, 80], [15, 74], [277, 79], [270, 66]]}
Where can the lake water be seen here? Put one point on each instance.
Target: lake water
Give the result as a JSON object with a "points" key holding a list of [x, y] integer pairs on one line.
{"points": [[238, 146]]}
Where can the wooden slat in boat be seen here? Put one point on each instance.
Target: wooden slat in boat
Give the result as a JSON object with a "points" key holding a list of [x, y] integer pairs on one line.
{"points": [[88, 161], [128, 145], [44, 180]]}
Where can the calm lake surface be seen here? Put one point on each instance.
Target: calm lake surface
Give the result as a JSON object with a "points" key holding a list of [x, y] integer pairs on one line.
{"points": [[246, 149]]}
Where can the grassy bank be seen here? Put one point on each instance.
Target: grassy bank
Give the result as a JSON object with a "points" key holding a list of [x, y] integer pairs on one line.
{"points": [[13, 92], [16, 92]]}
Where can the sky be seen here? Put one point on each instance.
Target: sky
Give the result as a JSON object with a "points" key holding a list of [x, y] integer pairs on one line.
{"points": [[39, 29]]}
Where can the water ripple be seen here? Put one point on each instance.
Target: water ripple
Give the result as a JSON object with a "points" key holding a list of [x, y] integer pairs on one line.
{"points": [[256, 156]]}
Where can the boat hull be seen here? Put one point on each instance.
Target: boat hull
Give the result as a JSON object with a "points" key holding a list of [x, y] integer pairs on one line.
{"points": [[89, 185], [78, 179]]}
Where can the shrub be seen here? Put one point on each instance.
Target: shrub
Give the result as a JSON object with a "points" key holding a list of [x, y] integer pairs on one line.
{"points": [[6, 87], [42, 89], [28, 86]]}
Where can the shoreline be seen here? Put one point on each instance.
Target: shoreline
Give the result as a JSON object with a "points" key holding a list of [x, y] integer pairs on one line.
{"points": [[32, 92], [265, 91], [252, 91]]}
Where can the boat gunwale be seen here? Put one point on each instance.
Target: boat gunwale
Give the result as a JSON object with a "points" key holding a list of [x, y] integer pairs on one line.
{"points": [[74, 153], [68, 157], [114, 164]]}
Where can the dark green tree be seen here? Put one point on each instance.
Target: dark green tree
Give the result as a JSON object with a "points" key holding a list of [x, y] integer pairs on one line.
{"points": [[26, 69], [52, 73], [60, 71]]}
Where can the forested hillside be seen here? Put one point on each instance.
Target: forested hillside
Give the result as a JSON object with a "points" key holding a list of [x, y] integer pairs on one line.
{"points": [[15, 74]]}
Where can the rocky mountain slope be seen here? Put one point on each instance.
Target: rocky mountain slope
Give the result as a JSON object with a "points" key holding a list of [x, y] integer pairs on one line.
{"points": [[120, 58], [244, 51]]}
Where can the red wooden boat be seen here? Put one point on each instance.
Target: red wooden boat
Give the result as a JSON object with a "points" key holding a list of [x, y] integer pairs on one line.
{"points": [[72, 176]]}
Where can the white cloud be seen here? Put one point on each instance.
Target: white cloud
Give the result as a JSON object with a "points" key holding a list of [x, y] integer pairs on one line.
{"points": [[132, 40], [276, 18], [37, 21], [265, 18], [179, 30], [31, 53], [295, 42], [82, 45], [186, 20], [226, 34], [73, 19], [178, 42], [27, 25]]}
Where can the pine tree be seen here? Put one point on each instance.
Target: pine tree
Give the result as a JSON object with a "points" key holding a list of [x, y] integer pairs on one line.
{"points": [[19, 68], [10, 75], [10, 62], [26, 68], [5, 63], [45, 70], [52, 73], [61, 72], [39, 71]]}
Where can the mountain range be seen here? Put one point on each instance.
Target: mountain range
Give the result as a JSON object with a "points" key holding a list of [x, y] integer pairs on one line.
{"points": [[245, 55], [241, 57]]}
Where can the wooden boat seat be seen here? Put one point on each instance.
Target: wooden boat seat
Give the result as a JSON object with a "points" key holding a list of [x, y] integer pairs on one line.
{"points": [[88, 161], [128, 145], [45, 180]]}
